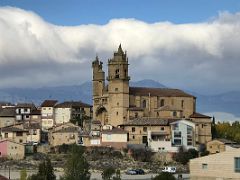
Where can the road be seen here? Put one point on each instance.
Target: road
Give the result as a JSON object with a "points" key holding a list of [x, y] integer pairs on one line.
{"points": [[15, 174]]}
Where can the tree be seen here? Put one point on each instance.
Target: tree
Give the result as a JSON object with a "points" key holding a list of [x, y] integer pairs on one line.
{"points": [[164, 176], [77, 167], [213, 128], [184, 156], [111, 173], [108, 173], [45, 171], [23, 174]]}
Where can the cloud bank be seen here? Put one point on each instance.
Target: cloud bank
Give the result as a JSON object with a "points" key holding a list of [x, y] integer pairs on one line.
{"points": [[202, 57]]}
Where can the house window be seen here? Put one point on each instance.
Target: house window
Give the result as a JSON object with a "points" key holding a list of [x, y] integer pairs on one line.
{"points": [[204, 166], [20, 140], [144, 103], [177, 134], [157, 114], [25, 110], [116, 89], [162, 103], [144, 129], [133, 137], [162, 128], [133, 129], [19, 133], [237, 164], [6, 135], [116, 113], [177, 142]]}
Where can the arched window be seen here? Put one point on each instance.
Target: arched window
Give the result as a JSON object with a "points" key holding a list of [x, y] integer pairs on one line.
{"points": [[117, 73], [144, 103], [162, 103]]}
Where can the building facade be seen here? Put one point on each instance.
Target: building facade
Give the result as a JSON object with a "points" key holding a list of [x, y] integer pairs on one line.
{"points": [[118, 104], [222, 166]]}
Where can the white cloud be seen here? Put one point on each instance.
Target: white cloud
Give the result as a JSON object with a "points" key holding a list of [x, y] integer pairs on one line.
{"points": [[202, 57]]}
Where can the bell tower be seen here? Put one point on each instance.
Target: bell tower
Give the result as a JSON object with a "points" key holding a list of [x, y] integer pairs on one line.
{"points": [[98, 84], [118, 87]]}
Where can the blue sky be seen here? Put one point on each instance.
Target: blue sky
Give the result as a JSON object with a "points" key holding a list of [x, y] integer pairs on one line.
{"points": [[76, 12]]}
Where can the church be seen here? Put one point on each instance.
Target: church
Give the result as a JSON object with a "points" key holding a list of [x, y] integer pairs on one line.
{"points": [[141, 108]]}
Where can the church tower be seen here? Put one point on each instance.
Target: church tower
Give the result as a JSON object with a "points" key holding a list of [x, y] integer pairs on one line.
{"points": [[98, 85], [118, 87]]}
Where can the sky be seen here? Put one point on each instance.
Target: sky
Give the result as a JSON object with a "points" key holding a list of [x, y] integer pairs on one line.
{"points": [[190, 45]]}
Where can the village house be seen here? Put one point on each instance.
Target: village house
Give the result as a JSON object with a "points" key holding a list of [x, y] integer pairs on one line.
{"points": [[220, 145], [47, 114], [11, 149], [66, 133], [7, 116], [72, 110], [34, 132], [113, 137], [15, 133], [23, 111], [224, 166], [183, 134]]}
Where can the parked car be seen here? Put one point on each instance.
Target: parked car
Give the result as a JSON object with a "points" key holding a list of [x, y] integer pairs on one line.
{"points": [[131, 172], [169, 169], [139, 171]]}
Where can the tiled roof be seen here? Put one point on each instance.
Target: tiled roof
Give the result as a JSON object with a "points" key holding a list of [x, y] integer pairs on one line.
{"points": [[72, 104], [114, 131], [198, 115], [13, 129], [36, 112], [161, 92], [148, 122], [8, 112], [26, 105], [49, 103]]}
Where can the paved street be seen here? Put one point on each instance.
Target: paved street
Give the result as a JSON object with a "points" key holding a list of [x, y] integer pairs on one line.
{"points": [[15, 174]]}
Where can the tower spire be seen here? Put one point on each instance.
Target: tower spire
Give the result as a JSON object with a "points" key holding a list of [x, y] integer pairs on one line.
{"points": [[120, 49]]}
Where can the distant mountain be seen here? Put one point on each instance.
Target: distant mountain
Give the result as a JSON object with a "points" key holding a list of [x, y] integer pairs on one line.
{"points": [[147, 83], [228, 102]]}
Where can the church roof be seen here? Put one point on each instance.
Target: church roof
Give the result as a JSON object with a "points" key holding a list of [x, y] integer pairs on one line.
{"points": [[162, 92], [198, 115], [148, 122], [72, 104]]}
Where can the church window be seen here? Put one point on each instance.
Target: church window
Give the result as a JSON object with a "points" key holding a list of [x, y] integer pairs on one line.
{"points": [[157, 114], [118, 104], [162, 103], [174, 113], [116, 89], [117, 73], [144, 129], [144, 103], [125, 72], [162, 128], [182, 104], [133, 137], [116, 113], [136, 115], [133, 129]]}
